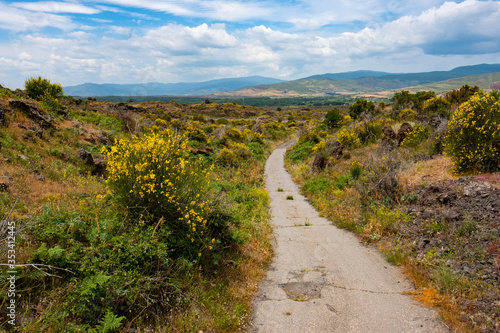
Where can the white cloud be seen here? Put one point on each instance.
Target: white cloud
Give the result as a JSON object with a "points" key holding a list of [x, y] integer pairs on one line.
{"points": [[449, 34], [56, 7], [14, 19], [120, 30]]}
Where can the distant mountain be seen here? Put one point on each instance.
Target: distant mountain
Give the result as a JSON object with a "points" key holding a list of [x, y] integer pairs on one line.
{"points": [[175, 89], [348, 75], [360, 82]]}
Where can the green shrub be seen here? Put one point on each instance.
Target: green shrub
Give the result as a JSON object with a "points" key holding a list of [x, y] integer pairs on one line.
{"points": [[473, 140], [320, 186], [300, 152], [40, 88], [360, 106], [333, 118]]}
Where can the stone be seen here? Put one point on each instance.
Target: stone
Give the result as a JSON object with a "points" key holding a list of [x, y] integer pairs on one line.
{"points": [[477, 189], [403, 130], [319, 162], [389, 133], [4, 187], [85, 156], [99, 166], [334, 149]]}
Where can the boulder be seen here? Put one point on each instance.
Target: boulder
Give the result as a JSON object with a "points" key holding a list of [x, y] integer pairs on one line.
{"points": [[85, 156], [389, 133], [319, 162], [334, 149], [403, 130]]}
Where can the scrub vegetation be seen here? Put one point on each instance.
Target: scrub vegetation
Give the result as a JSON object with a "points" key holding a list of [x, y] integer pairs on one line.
{"points": [[419, 178], [153, 216]]}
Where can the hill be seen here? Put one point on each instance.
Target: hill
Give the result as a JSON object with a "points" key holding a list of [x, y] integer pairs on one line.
{"points": [[155, 88], [341, 84]]}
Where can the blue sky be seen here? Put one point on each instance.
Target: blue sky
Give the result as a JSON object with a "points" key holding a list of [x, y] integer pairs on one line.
{"points": [[137, 41]]}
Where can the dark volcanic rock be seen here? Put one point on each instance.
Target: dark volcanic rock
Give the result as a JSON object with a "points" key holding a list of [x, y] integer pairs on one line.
{"points": [[403, 130]]}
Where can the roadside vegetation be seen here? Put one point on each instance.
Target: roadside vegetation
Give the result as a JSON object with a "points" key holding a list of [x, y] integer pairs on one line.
{"points": [[132, 216], [153, 215], [419, 178]]}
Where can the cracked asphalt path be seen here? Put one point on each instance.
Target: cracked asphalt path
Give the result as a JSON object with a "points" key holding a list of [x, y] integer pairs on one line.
{"points": [[322, 279]]}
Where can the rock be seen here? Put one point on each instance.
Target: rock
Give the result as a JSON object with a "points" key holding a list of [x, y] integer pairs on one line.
{"points": [[24, 158], [475, 189], [4, 187], [41, 178], [33, 111], [100, 166], [85, 156], [389, 133], [102, 137], [3, 121], [403, 130], [334, 149], [319, 162]]}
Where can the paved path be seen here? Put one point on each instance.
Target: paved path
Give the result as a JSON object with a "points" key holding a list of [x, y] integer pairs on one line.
{"points": [[323, 280]]}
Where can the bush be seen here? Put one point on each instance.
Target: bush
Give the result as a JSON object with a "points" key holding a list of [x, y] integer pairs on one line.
{"points": [[348, 138], [407, 115], [40, 88], [333, 118], [154, 180], [415, 136], [473, 140], [360, 106], [437, 106]]}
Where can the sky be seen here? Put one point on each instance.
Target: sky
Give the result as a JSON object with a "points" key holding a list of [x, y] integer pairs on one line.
{"points": [[137, 41]]}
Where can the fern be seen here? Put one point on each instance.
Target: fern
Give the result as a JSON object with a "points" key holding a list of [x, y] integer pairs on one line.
{"points": [[109, 323]]}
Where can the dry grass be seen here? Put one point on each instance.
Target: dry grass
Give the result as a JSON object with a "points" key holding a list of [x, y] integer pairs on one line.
{"points": [[427, 171]]}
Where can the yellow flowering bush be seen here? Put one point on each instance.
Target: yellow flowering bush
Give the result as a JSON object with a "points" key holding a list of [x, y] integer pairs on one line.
{"points": [[348, 138], [195, 133], [407, 115], [153, 178], [473, 139], [416, 136], [235, 135]]}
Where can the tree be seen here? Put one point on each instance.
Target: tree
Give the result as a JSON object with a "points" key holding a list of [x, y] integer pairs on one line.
{"points": [[333, 118], [360, 106], [459, 96]]}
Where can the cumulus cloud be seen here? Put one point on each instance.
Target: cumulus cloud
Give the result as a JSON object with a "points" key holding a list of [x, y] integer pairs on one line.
{"points": [[445, 34]]}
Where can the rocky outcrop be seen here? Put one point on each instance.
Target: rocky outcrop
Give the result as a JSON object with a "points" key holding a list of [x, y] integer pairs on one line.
{"points": [[33, 111]]}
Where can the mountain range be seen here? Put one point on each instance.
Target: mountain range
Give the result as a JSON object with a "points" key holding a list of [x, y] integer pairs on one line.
{"points": [[174, 89], [486, 76]]}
